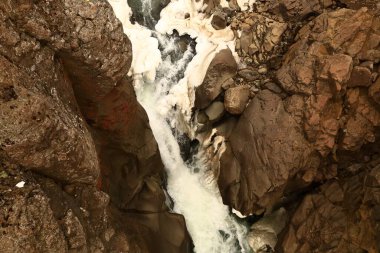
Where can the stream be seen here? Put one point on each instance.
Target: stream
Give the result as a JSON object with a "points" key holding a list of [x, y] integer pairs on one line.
{"points": [[165, 74]]}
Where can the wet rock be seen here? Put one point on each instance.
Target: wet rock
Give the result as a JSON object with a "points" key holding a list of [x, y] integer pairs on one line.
{"points": [[265, 151], [263, 234], [222, 68], [236, 99], [215, 111]]}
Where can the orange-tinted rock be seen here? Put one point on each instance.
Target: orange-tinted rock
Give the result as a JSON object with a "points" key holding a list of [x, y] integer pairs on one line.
{"points": [[374, 91], [360, 76], [341, 217]]}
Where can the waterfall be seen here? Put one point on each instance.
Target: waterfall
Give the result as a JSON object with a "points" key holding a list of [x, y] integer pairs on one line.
{"points": [[165, 82]]}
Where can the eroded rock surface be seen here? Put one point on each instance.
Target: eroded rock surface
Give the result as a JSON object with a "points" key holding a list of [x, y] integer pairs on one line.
{"points": [[341, 216], [283, 142], [70, 118]]}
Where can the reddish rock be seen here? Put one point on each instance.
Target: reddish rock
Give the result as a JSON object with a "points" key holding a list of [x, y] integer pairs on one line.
{"points": [[360, 77]]}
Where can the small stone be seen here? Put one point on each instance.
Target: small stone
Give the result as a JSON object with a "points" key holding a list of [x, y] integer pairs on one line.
{"points": [[202, 117], [273, 87], [235, 99], [228, 83], [20, 184], [360, 77], [249, 74], [263, 70]]}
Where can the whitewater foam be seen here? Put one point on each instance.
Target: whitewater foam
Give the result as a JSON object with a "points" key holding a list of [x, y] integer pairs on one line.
{"points": [[168, 103]]}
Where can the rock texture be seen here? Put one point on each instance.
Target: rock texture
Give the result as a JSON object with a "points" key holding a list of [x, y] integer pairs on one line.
{"points": [[264, 153], [221, 68], [341, 216], [283, 142], [71, 125]]}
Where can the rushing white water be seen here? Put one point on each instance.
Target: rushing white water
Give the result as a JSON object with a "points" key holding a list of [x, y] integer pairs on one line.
{"points": [[168, 103]]}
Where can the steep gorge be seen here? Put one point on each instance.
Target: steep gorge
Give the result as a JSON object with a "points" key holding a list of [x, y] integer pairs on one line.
{"points": [[275, 102]]}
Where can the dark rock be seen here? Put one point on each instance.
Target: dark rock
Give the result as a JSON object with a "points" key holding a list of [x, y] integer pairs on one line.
{"points": [[218, 20], [64, 63], [360, 76], [265, 151]]}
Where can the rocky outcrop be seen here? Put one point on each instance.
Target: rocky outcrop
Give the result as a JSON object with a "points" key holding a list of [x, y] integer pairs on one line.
{"points": [[340, 216], [264, 153], [333, 84], [70, 118], [285, 141]]}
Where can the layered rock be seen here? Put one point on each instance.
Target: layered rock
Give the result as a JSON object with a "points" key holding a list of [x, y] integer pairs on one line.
{"points": [[69, 115]]}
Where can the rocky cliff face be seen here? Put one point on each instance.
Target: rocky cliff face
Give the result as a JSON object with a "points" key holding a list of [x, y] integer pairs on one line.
{"points": [[297, 127], [311, 123], [73, 131]]}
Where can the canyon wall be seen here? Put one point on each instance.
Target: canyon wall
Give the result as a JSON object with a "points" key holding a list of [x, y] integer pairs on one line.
{"points": [[74, 133]]}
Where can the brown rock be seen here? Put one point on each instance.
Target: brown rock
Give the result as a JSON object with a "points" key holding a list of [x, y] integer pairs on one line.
{"points": [[264, 152], [302, 8], [374, 91], [215, 111], [360, 77], [222, 68], [323, 77], [341, 217], [218, 20], [236, 99], [63, 65]]}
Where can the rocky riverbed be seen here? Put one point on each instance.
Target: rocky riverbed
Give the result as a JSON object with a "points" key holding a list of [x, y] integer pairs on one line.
{"points": [[287, 117]]}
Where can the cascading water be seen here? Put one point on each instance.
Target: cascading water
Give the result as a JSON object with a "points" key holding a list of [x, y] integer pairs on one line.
{"points": [[165, 91]]}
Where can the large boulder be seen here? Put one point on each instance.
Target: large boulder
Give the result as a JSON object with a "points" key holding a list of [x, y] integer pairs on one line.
{"points": [[265, 152]]}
